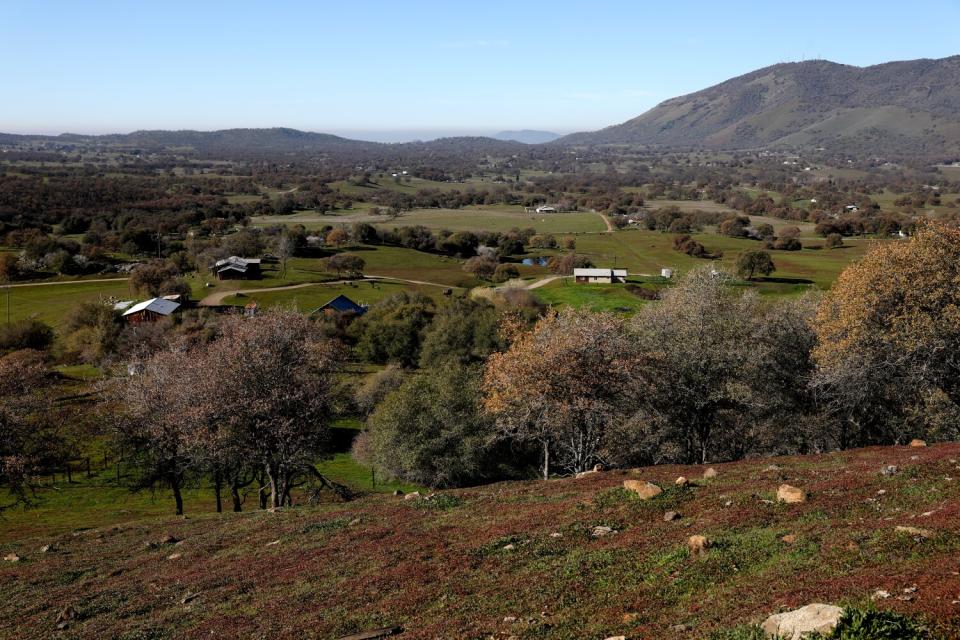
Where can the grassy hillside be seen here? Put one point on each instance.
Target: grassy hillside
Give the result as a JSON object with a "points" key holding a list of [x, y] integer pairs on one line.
{"points": [[512, 559]]}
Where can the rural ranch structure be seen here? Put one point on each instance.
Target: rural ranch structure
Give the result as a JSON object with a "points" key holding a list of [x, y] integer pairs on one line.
{"points": [[601, 276]]}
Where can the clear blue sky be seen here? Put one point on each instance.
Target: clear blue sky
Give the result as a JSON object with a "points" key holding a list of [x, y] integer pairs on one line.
{"points": [[373, 68]]}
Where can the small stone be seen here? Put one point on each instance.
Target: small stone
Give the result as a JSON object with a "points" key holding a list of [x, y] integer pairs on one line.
{"points": [[728, 503], [880, 594], [670, 516], [882, 492], [169, 539], [67, 615], [630, 618], [681, 628], [790, 538], [597, 468], [11, 557], [509, 619], [912, 589], [354, 522], [397, 492], [556, 534], [190, 596], [509, 547], [173, 556], [916, 442], [601, 531], [47, 548], [642, 488], [710, 473], [794, 625], [414, 495], [889, 470], [275, 542], [616, 638], [791, 495], [583, 474], [698, 545], [772, 468], [681, 482], [915, 532]]}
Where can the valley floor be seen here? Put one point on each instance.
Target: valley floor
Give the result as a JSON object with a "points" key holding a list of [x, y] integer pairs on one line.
{"points": [[515, 559]]}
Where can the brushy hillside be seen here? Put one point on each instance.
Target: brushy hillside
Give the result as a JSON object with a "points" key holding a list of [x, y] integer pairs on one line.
{"points": [[910, 107], [520, 560]]}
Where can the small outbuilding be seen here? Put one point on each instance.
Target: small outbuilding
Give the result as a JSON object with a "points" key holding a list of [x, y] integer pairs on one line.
{"points": [[341, 304], [600, 276], [150, 310], [236, 268]]}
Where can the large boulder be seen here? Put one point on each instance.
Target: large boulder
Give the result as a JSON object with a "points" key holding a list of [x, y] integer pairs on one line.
{"points": [[794, 625], [791, 495], [642, 488]]}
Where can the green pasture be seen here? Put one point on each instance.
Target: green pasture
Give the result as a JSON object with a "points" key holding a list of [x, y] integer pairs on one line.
{"points": [[51, 303], [306, 299]]}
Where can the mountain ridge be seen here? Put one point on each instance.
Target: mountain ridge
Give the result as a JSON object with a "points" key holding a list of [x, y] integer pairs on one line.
{"points": [[911, 106]]}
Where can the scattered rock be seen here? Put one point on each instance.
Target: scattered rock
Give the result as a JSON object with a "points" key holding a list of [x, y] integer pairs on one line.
{"points": [[728, 503], [397, 492], [601, 531], [681, 628], [890, 470], [670, 516], [11, 557], [47, 548], [880, 594], [67, 615], [509, 547], [510, 619], [616, 638], [354, 522], [790, 538], [772, 468], [915, 532], [415, 495], [556, 534], [189, 597], [275, 542], [791, 495], [169, 539], [150, 545], [173, 556], [642, 488], [630, 618], [793, 625], [917, 443], [582, 474], [681, 482], [710, 473], [882, 492], [698, 545]]}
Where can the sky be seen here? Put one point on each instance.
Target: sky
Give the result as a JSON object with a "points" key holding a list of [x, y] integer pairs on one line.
{"points": [[397, 70]]}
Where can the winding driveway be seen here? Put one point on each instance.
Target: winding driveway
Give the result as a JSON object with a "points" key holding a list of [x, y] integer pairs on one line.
{"points": [[216, 299]]}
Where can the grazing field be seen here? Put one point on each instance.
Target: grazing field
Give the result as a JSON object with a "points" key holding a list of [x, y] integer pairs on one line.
{"points": [[521, 559], [51, 303], [306, 299], [646, 252], [479, 218], [595, 297]]}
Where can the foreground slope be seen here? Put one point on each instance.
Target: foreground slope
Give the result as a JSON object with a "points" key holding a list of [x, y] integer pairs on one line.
{"points": [[518, 559], [898, 107]]}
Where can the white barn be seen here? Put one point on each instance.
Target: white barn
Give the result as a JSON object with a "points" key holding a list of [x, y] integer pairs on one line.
{"points": [[603, 276]]}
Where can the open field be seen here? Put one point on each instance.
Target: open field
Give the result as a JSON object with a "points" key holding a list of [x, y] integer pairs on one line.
{"points": [[595, 297], [51, 303], [646, 252], [513, 559], [478, 218], [306, 299]]}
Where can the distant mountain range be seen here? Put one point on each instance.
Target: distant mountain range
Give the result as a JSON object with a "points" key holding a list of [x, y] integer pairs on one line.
{"points": [[528, 136], [910, 107]]}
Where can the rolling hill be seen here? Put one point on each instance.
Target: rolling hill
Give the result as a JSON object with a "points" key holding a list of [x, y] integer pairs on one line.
{"points": [[910, 107], [567, 559], [528, 136]]}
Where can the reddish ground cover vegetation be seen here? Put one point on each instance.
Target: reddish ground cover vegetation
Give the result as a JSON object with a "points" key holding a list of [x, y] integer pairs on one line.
{"points": [[517, 559]]}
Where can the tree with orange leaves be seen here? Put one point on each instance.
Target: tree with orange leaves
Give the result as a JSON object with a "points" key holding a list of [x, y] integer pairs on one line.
{"points": [[565, 384], [888, 336]]}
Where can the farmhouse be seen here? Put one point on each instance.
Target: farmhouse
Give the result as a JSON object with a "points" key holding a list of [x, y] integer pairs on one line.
{"points": [[234, 268], [341, 304], [150, 310], [604, 276]]}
